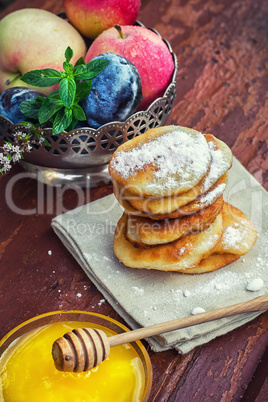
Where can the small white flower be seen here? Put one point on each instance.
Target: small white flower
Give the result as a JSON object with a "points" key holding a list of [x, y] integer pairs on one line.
{"points": [[16, 157], [5, 164]]}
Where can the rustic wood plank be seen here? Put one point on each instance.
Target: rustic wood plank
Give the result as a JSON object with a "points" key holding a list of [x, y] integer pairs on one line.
{"points": [[258, 386]]}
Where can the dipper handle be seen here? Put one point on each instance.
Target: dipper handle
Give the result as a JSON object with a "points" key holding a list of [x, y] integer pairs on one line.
{"points": [[83, 349]]}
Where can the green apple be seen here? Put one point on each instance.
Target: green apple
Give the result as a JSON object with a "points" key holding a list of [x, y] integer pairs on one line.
{"points": [[32, 39]]}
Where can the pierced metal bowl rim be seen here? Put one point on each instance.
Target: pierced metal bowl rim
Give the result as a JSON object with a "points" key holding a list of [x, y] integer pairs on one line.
{"points": [[119, 124]]}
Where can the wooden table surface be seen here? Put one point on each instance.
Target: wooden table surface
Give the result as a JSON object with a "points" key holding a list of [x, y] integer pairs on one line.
{"points": [[222, 89]]}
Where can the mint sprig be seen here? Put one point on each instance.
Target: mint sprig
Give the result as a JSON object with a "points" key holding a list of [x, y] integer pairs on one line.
{"points": [[61, 107]]}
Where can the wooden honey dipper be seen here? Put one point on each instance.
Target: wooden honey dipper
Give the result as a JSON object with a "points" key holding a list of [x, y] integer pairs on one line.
{"points": [[83, 349]]}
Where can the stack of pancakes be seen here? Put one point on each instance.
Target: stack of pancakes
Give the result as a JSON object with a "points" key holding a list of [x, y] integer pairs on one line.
{"points": [[170, 182]]}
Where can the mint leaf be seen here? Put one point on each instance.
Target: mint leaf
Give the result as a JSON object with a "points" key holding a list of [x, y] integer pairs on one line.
{"points": [[68, 68], [95, 67], [90, 70], [68, 112], [80, 61], [68, 54], [46, 77], [47, 110], [79, 71], [82, 90], [61, 122], [78, 113], [72, 125], [67, 89], [30, 107], [54, 97]]}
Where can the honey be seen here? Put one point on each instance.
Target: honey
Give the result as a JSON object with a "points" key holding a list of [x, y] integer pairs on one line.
{"points": [[28, 373]]}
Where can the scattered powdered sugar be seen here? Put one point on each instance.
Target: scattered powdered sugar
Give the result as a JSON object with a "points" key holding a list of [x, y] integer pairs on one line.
{"points": [[175, 153], [197, 310], [49, 252], [182, 250], [101, 302], [186, 293], [105, 258], [95, 256], [255, 284], [137, 290], [223, 281]]}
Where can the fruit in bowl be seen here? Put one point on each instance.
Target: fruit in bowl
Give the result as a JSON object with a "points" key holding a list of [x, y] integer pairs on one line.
{"points": [[61, 109], [91, 17], [115, 93], [146, 50], [62, 119], [34, 39], [114, 97], [10, 100], [107, 89]]}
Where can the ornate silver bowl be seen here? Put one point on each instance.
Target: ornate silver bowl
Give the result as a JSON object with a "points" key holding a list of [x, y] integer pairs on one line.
{"points": [[82, 155]]}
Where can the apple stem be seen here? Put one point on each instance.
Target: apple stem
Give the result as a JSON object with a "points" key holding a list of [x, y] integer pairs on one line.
{"points": [[8, 82], [119, 29]]}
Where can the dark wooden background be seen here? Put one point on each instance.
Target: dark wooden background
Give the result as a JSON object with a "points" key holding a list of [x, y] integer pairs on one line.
{"points": [[222, 49]]}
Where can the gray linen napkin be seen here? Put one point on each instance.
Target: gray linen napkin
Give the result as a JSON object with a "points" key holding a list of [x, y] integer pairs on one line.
{"points": [[145, 297]]}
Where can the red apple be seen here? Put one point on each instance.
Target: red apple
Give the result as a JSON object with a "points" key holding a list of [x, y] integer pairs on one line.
{"points": [[31, 39], [91, 17], [146, 50]]}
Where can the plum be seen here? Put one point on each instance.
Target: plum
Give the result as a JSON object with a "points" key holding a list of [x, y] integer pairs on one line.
{"points": [[10, 100], [115, 93]]}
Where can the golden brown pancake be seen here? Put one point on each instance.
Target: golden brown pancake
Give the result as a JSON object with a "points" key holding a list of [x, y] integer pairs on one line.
{"points": [[193, 207], [232, 233], [170, 182], [164, 161], [158, 205], [211, 263], [239, 233], [184, 253], [147, 232], [150, 206], [239, 236], [215, 176]]}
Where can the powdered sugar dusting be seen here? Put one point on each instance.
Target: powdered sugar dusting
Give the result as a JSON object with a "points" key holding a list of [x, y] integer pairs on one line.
{"points": [[220, 163], [177, 156], [182, 251], [138, 291], [234, 236], [211, 196], [222, 282]]}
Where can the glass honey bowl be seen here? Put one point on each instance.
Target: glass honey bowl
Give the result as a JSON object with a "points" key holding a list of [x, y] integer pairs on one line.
{"points": [[28, 373]]}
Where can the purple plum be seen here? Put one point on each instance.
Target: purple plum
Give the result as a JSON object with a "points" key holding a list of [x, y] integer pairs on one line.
{"points": [[10, 100], [115, 93]]}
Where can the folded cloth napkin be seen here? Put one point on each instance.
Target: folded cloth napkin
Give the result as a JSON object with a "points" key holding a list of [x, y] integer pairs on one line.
{"points": [[146, 297]]}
